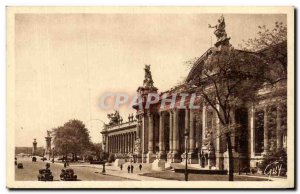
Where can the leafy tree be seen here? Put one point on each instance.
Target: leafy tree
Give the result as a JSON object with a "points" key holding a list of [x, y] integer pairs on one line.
{"points": [[271, 46], [229, 78], [97, 149], [73, 137], [104, 156], [111, 158]]}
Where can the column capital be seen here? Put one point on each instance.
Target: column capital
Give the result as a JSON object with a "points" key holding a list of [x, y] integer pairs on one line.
{"points": [[161, 113]]}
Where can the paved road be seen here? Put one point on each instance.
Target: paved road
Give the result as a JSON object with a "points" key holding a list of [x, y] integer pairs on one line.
{"points": [[30, 171]]}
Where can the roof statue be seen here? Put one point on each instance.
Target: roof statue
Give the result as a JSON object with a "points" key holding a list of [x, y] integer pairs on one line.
{"points": [[220, 32], [115, 118], [48, 133], [148, 81]]}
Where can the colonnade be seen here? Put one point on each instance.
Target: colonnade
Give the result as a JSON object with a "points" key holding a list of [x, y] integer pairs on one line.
{"points": [[266, 130], [121, 143]]}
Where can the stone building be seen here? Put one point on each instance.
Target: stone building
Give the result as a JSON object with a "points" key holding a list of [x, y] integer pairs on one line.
{"points": [[119, 137], [156, 135]]}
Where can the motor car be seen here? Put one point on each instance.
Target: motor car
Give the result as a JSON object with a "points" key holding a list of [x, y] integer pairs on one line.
{"points": [[20, 165], [68, 175], [45, 175]]}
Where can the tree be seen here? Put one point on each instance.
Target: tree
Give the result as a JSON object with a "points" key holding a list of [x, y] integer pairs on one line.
{"points": [[97, 149], [227, 80], [73, 137], [271, 46]]}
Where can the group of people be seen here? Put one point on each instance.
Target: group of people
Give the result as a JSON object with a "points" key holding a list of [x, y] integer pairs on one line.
{"points": [[130, 167]]}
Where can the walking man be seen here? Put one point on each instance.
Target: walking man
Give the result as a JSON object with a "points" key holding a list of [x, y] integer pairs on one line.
{"points": [[121, 167], [140, 167], [128, 168], [131, 168]]}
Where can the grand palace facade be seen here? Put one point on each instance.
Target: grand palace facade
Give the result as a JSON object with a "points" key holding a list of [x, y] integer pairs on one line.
{"points": [[158, 135]]}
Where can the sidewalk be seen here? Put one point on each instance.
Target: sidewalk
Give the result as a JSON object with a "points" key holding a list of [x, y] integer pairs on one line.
{"points": [[116, 171], [263, 177]]}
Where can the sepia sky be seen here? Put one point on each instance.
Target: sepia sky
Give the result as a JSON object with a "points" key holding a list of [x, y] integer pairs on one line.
{"points": [[65, 62]]}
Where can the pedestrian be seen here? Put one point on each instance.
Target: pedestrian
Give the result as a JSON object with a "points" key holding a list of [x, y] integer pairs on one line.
{"points": [[128, 168], [140, 167], [131, 168], [121, 167], [65, 164]]}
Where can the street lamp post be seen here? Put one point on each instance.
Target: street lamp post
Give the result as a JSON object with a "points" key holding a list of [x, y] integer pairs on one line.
{"points": [[186, 135], [53, 155], [103, 169]]}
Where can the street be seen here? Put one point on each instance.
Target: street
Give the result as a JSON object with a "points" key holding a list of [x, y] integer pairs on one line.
{"points": [[30, 172]]}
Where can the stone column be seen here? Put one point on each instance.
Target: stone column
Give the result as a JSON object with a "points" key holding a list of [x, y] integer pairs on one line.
{"points": [[131, 141], [162, 135], [113, 144], [278, 128], [122, 143], [116, 139], [125, 143], [48, 147], [266, 132], [176, 157], [117, 143], [197, 133], [204, 121], [150, 142], [144, 139], [170, 136], [159, 163], [192, 133], [34, 143], [128, 144], [110, 143], [187, 127], [252, 130], [138, 128]]}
